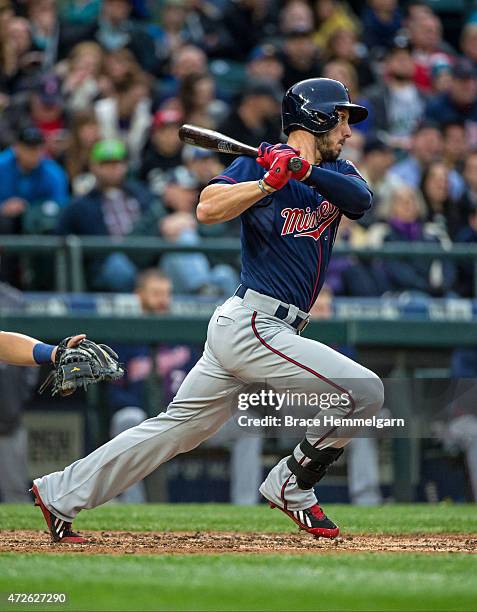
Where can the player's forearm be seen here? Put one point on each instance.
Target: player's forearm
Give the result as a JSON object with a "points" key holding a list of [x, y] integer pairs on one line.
{"points": [[219, 203], [17, 349], [350, 194]]}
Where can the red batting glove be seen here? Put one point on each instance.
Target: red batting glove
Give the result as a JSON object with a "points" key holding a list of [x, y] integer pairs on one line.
{"points": [[267, 152], [302, 174], [278, 175]]}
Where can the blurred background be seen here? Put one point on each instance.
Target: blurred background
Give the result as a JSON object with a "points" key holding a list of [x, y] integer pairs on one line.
{"points": [[98, 232]]}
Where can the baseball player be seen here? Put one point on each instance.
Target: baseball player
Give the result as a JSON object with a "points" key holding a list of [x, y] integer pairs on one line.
{"points": [[289, 223]]}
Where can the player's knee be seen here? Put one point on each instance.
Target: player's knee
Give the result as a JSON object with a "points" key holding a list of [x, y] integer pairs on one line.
{"points": [[373, 394]]}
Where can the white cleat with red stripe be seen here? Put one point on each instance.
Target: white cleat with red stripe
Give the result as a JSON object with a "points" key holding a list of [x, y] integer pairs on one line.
{"points": [[313, 520]]}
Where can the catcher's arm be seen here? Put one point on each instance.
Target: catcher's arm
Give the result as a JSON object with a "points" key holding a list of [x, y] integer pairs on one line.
{"points": [[18, 349]]}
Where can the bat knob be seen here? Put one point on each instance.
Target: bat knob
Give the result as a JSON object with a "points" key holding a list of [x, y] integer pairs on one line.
{"points": [[295, 164]]}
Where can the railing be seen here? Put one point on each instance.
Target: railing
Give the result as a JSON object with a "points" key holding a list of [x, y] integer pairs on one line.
{"points": [[68, 252]]}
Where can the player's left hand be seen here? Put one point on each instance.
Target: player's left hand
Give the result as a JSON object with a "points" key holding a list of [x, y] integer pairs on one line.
{"points": [[267, 153]]}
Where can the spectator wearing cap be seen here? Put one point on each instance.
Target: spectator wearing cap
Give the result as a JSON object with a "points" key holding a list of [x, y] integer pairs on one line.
{"points": [[115, 29], [377, 160], [29, 179], [460, 102], [114, 207], [163, 149], [395, 103], [256, 118], [426, 147], [126, 115], [381, 21], [48, 114], [299, 56], [264, 63]]}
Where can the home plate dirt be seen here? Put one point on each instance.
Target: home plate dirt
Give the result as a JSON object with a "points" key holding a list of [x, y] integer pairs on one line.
{"points": [[207, 542]]}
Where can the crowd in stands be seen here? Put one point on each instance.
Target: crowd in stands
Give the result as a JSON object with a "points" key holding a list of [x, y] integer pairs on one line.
{"points": [[92, 93]]}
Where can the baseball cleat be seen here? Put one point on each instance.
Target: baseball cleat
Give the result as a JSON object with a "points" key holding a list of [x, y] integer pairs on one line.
{"points": [[59, 529], [313, 520]]}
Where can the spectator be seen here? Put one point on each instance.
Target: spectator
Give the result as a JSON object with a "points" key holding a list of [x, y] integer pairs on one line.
{"points": [[296, 16], [116, 30], [29, 180], [406, 224], [243, 26], [426, 147], [127, 116], [163, 149], [455, 147], [396, 105], [114, 207], [441, 210], [119, 67], [27, 61], [172, 34], [344, 71], [199, 102], [460, 103], [465, 284], [187, 61], [381, 21], [332, 15], [299, 57], [256, 118], [190, 273], [203, 164], [377, 161], [468, 42], [425, 32], [265, 63], [468, 201], [344, 45], [85, 133], [347, 275], [82, 82], [8, 60]]}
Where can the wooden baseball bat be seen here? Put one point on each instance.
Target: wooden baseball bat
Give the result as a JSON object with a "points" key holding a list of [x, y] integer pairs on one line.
{"points": [[215, 141]]}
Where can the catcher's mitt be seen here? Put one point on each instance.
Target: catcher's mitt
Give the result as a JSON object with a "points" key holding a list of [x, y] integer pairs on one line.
{"points": [[80, 366]]}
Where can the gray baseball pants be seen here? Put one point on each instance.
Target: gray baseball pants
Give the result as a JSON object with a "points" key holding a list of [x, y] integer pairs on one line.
{"points": [[245, 344]]}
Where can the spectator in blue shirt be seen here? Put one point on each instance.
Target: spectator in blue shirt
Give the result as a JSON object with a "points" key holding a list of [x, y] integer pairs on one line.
{"points": [[29, 179]]}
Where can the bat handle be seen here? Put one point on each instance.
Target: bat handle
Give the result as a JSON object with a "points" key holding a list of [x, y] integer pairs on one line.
{"points": [[295, 164]]}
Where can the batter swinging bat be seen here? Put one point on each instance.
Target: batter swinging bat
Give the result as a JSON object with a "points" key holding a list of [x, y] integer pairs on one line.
{"points": [[208, 139]]}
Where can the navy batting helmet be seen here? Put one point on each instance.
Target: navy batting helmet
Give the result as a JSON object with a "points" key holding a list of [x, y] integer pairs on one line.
{"points": [[312, 105]]}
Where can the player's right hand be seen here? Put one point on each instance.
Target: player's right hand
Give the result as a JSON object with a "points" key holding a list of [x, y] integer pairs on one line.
{"points": [[278, 174], [267, 151]]}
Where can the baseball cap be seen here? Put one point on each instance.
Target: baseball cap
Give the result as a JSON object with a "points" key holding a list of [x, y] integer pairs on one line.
{"points": [[49, 90], [183, 177], [169, 116], [375, 144], [30, 135], [263, 52], [255, 87], [464, 69], [108, 150], [191, 153]]}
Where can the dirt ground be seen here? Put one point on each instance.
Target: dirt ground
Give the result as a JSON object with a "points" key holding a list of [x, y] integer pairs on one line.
{"points": [[206, 542]]}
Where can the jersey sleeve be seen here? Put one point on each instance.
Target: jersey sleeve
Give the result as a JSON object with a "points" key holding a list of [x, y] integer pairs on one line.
{"points": [[346, 167], [242, 169]]}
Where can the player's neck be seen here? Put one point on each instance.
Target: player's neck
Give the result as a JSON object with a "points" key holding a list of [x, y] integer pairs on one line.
{"points": [[305, 142]]}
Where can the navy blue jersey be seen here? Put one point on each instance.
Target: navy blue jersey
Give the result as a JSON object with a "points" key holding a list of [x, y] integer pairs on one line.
{"points": [[287, 237]]}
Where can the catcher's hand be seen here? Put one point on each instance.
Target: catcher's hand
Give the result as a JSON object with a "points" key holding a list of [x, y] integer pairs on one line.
{"points": [[79, 363]]}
